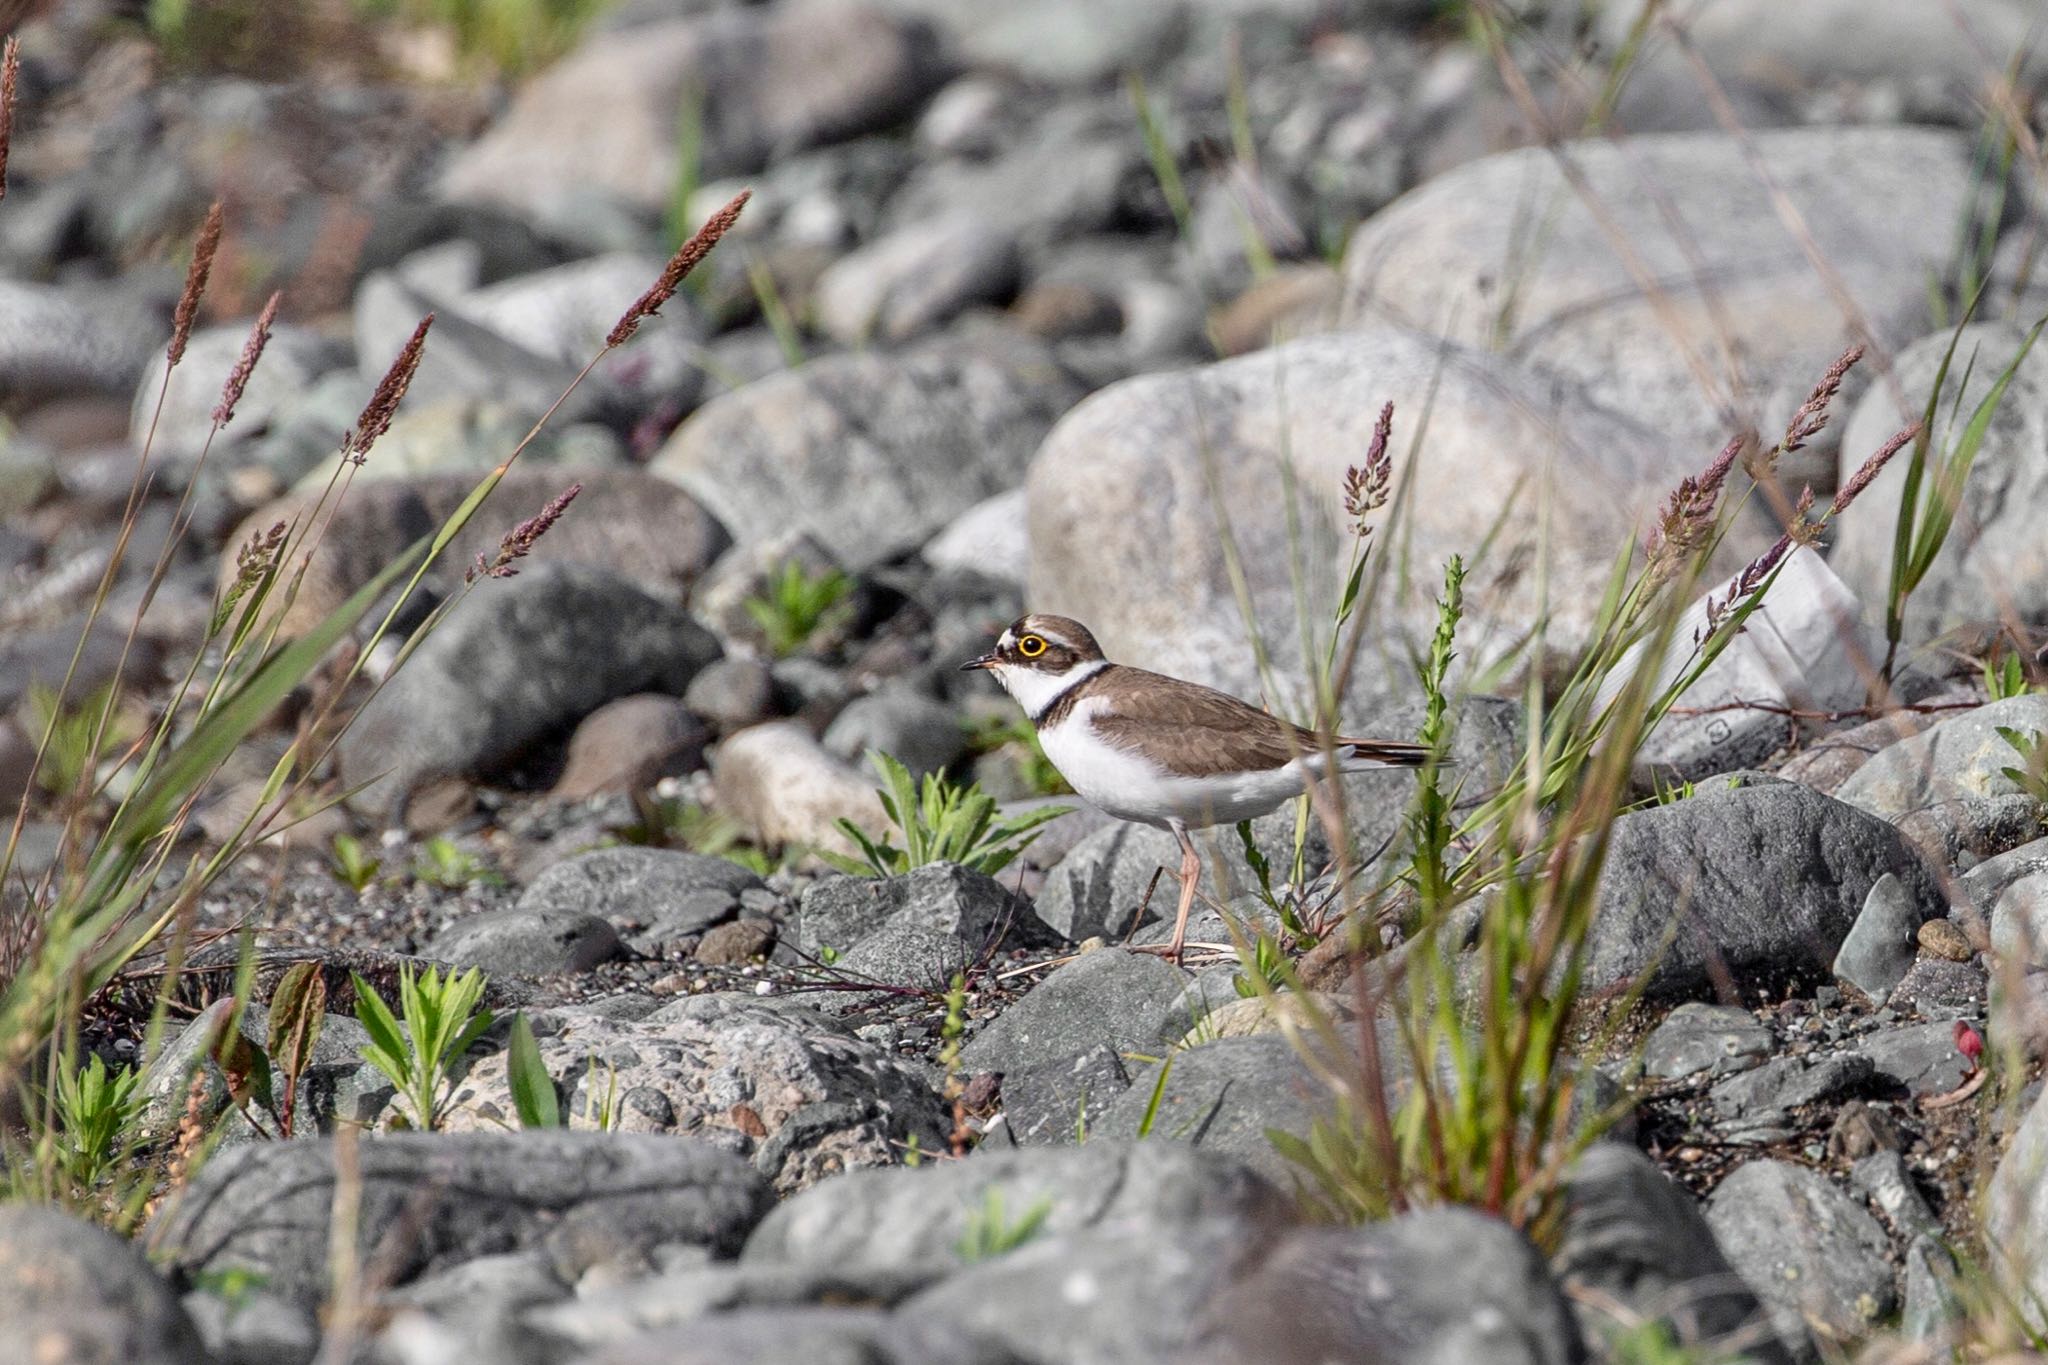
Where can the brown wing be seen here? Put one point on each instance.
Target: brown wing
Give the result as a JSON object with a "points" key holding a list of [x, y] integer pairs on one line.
{"points": [[1207, 731], [1211, 732]]}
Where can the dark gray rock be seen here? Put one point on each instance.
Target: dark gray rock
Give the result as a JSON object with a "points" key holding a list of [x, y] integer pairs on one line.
{"points": [[1761, 1101], [1880, 946], [916, 277], [1223, 1097], [1719, 1039], [1920, 1057], [654, 897], [1752, 885], [514, 664], [910, 1218], [1439, 1285], [1107, 997], [68, 339], [732, 694], [1935, 988], [1931, 1307], [338, 1087], [872, 454], [1071, 1297], [1885, 1181], [257, 1328], [821, 1336], [920, 732], [1054, 1102], [906, 955], [432, 1200], [75, 1294], [1808, 1250], [1638, 1241], [1961, 833], [520, 940], [946, 898]]}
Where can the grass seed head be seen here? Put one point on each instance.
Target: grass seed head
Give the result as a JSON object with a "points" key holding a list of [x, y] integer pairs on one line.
{"points": [[383, 405], [687, 258], [196, 276], [10, 85], [519, 541], [252, 351]]}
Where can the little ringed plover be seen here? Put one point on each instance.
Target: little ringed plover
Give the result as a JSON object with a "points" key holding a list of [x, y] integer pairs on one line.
{"points": [[1162, 751]]}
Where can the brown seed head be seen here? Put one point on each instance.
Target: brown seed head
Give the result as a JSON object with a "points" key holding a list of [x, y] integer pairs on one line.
{"points": [[519, 541], [1812, 415], [252, 351], [686, 259], [383, 404], [1871, 468], [10, 84], [1366, 485], [196, 276]]}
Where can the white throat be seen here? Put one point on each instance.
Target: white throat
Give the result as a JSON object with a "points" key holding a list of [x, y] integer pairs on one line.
{"points": [[1035, 689]]}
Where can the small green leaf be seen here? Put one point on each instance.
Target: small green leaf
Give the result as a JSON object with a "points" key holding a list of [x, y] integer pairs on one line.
{"points": [[533, 1090]]}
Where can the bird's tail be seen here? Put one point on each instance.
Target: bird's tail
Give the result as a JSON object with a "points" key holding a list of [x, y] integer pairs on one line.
{"points": [[1384, 753]]}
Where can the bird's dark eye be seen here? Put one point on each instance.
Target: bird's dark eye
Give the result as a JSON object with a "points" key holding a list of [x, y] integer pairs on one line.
{"points": [[1031, 646]]}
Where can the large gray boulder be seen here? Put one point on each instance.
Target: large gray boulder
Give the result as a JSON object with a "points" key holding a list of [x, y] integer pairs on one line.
{"points": [[1812, 1253], [1960, 758], [1669, 257], [1995, 561], [871, 454], [2016, 1211], [1741, 888], [1129, 494], [517, 662], [431, 1200]]}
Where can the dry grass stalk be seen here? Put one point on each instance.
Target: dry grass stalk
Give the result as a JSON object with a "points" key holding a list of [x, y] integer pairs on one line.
{"points": [[383, 405], [10, 83], [191, 1134], [203, 248], [252, 351], [686, 259]]}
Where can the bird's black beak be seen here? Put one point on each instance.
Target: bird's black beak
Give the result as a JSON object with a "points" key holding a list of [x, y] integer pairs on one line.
{"points": [[973, 665]]}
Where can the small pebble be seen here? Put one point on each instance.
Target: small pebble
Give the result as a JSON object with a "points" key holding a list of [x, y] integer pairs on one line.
{"points": [[1941, 938]]}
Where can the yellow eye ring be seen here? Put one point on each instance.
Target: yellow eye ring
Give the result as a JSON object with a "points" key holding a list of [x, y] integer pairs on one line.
{"points": [[1031, 646]]}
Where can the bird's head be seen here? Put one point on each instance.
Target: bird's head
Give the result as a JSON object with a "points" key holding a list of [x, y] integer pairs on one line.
{"points": [[1039, 656]]}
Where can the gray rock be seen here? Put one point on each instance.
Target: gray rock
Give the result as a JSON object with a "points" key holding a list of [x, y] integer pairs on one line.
{"points": [[2016, 1208], [1920, 1057], [512, 665], [654, 897], [872, 454], [765, 82], [1223, 1097], [1931, 1307], [826, 1336], [74, 1294], [1885, 1181], [1959, 834], [1995, 561], [1734, 276], [437, 1199], [1756, 1105], [1809, 1251], [1053, 1102], [1957, 758], [784, 788], [482, 1301], [1108, 997], [630, 744], [2019, 921], [1941, 990], [258, 1328], [1069, 1298], [1987, 881], [1880, 946], [710, 1296], [68, 339], [1074, 173], [528, 941], [637, 526], [917, 1219], [1438, 1285], [1638, 1241], [732, 694], [921, 732], [462, 358], [1129, 487], [293, 359], [1719, 1039], [337, 1087], [945, 898], [1761, 882], [905, 955], [988, 538], [790, 1089], [915, 278]]}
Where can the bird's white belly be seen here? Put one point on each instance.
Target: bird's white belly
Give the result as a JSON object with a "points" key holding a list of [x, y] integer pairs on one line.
{"points": [[1132, 787]]}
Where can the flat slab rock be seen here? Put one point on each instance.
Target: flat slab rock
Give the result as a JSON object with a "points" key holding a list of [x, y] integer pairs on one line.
{"points": [[783, 1087], [432, 1200]]}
